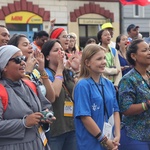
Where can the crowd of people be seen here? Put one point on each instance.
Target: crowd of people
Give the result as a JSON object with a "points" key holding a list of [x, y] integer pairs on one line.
{"points": [[56, 97]]}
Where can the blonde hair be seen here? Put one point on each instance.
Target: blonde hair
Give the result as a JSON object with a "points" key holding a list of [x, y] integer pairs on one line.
{"points": [[88, 52]]}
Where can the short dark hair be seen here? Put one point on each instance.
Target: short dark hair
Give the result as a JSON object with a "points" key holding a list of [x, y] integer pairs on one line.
{"points": [[99, 35], [133, 48], [40, 34], [14, 40]]}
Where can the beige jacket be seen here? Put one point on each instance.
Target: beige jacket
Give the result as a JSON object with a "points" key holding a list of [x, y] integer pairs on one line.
{"points": [[111, 73]]}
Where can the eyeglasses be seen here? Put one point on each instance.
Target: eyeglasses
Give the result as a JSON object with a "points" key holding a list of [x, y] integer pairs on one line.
{"points": [[18, 59], [66, 36]]}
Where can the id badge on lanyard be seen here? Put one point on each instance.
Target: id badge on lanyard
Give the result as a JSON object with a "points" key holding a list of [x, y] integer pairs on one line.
{"points": [[68, 109], [107, 130], [68, 104], [108, 127], [42, 135]]}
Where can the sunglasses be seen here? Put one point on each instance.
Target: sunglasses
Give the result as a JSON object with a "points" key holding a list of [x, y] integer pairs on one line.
{"points": [[18, 59]]}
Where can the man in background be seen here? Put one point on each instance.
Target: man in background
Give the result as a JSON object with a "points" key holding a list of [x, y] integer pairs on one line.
{"points": [[4, 35], [133, 32]]}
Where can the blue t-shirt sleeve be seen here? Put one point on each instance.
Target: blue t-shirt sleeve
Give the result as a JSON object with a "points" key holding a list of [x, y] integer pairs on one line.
{"points": [[50, 75], [82, 99]]}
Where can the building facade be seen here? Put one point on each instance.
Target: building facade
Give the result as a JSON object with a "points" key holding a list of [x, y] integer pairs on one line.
{"points": [[79, 16]]}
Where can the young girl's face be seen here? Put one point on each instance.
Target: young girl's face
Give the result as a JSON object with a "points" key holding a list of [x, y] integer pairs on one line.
{"points": [[123, 41], [97, 63], [106, 37]]}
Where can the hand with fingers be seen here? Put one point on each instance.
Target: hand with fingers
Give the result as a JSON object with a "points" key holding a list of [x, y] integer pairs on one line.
{"points": [[74, 61], [60, 59], [30, 63], [40, 58], [33, 119]]}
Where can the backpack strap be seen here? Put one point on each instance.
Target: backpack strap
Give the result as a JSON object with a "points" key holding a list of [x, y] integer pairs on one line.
{"points": [[4, 94], [113, 51], [31, 85], [50, 74], [4, 97]]}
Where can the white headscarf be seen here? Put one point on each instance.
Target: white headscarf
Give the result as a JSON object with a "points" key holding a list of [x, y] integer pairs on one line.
{"points": [[6, 52]]}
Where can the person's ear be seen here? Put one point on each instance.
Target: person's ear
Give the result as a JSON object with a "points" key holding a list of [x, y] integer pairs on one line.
{"points": [[133, 56], [47, 58], [87, 63]]}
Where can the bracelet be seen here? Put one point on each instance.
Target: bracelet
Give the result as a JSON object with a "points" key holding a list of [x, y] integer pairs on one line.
{"points": [[23, 121], [103, 142], [44, 73], [44, 77], [143, 106], [59, 77], [98, 135], [101, 138]]}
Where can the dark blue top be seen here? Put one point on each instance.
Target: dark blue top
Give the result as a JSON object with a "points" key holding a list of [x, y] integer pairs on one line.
{"points": [[123, 62]]}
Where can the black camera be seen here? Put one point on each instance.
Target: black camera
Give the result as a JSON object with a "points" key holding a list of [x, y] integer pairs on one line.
{"points": [[47, 115]]}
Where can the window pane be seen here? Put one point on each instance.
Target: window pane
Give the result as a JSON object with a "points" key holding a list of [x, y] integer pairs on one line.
{"points": [[82, 31], [136, 10], [92, 30], [16, 27]]}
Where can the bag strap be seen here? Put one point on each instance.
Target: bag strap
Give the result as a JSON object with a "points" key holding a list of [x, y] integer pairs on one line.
{"points": [[4, 96], [31, 85], [113, 51], [50, 74]]}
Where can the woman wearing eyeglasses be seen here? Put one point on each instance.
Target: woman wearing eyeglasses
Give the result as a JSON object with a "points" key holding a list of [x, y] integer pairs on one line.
{"points": [[35, 65], [20, 123], [71, 61], [62, 35]]}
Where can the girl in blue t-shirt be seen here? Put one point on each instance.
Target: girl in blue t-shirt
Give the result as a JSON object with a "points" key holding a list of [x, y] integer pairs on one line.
{"points": [[95, 104]]}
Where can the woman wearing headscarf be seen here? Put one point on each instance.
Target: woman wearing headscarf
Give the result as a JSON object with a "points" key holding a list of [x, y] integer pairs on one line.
{"points": [[34, 65], [20, 123]]}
